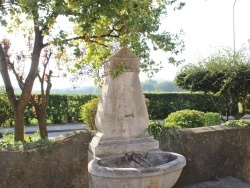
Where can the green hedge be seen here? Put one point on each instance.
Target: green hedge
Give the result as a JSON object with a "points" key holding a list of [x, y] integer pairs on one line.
{"points": [[162, 104], [66, 108], [6, 112], [61, 108]]}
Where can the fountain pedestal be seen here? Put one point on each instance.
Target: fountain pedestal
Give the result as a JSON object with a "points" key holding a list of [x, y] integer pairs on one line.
{"points": [[122, 121], [102, 148]]}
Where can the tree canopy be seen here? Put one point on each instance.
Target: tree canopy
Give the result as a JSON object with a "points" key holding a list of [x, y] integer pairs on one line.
{"points": [[225, 73], [80, 33], [155, 86]]}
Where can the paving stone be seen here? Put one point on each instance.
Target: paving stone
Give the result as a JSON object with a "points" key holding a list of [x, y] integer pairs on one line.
{"points": [[227, 182]]}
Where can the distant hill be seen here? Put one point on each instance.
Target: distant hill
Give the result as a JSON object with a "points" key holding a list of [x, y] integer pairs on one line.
{"points": [[159, 86], [80, 90], [147, 86]]}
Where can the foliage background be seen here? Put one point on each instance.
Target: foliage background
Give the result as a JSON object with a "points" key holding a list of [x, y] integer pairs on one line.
{"points": [[162, 104], [67, 108]]}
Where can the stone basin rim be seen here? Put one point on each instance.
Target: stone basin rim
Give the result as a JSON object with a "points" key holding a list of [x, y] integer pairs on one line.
{"points": [[109, 172]]}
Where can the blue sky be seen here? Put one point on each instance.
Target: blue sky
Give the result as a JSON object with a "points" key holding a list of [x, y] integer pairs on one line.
{"points": [[208, 25]]}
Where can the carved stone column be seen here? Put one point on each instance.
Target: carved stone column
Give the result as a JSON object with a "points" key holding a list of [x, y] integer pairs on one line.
{"points": [[122, 117]]}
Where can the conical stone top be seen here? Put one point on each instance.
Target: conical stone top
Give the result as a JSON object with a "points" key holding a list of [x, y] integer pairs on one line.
{"points": [[124, 53], [124, 57], [122, 111]]}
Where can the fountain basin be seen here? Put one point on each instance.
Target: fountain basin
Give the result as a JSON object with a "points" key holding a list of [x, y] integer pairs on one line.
{"points": [[154, 169]]}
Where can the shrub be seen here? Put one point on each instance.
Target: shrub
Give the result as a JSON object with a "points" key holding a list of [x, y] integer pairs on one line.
{"points": [[88, 113], [186, 119], [155, 129], [147, 102], [212, 118], [238, 123], [162, 104], [30, 142], [163, 133], [6, 112]]}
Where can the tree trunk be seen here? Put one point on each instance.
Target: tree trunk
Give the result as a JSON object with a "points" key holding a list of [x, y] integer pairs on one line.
{"points": [[40, 113], [19, 124], [217, 107], [235, 110], [42, 125]]}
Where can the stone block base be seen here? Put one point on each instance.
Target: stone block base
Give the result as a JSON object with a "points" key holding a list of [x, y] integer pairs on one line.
{"points": [[102, 148]]}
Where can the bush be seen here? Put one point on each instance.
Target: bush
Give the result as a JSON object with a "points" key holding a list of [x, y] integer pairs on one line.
{"points": [[186, 119], [30, 142], [162, 104], [147, 102], [163, 133], [88, 113], [238, 123], [6, 112], [212, 118], [155, 129]]}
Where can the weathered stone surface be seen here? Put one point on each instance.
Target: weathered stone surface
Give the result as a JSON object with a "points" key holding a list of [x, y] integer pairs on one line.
{"points": [[122, 111], [122, 120], [227, 182], [124, 56], [225, 152], [63, 164], [118, 171], [122, 117], [215, 151], [102, 148]]}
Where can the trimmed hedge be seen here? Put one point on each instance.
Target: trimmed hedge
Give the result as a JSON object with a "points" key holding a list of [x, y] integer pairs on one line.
{"points": [[162, 104], [88, 113], [186, 119], [6, 112], [66, 108], [61, 108]]}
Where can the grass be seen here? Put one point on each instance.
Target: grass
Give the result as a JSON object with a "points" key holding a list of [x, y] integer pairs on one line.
{"points": [[30, 142]]}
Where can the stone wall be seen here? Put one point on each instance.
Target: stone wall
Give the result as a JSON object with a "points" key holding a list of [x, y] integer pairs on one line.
{"points": [[63, 164], [211, 151], [217, 150]]}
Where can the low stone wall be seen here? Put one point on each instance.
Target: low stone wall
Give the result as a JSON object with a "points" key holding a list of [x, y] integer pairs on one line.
{"points": [[217, 150], [62, 164]]}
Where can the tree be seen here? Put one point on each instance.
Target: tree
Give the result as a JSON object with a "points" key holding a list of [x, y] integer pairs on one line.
{"points": [[225, 73], [167, 86], [40, 105], [149, 85], [94, 26], [152, 85]]}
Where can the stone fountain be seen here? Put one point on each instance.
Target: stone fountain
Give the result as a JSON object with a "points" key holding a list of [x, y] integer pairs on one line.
{"points": [[121, 153]]}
